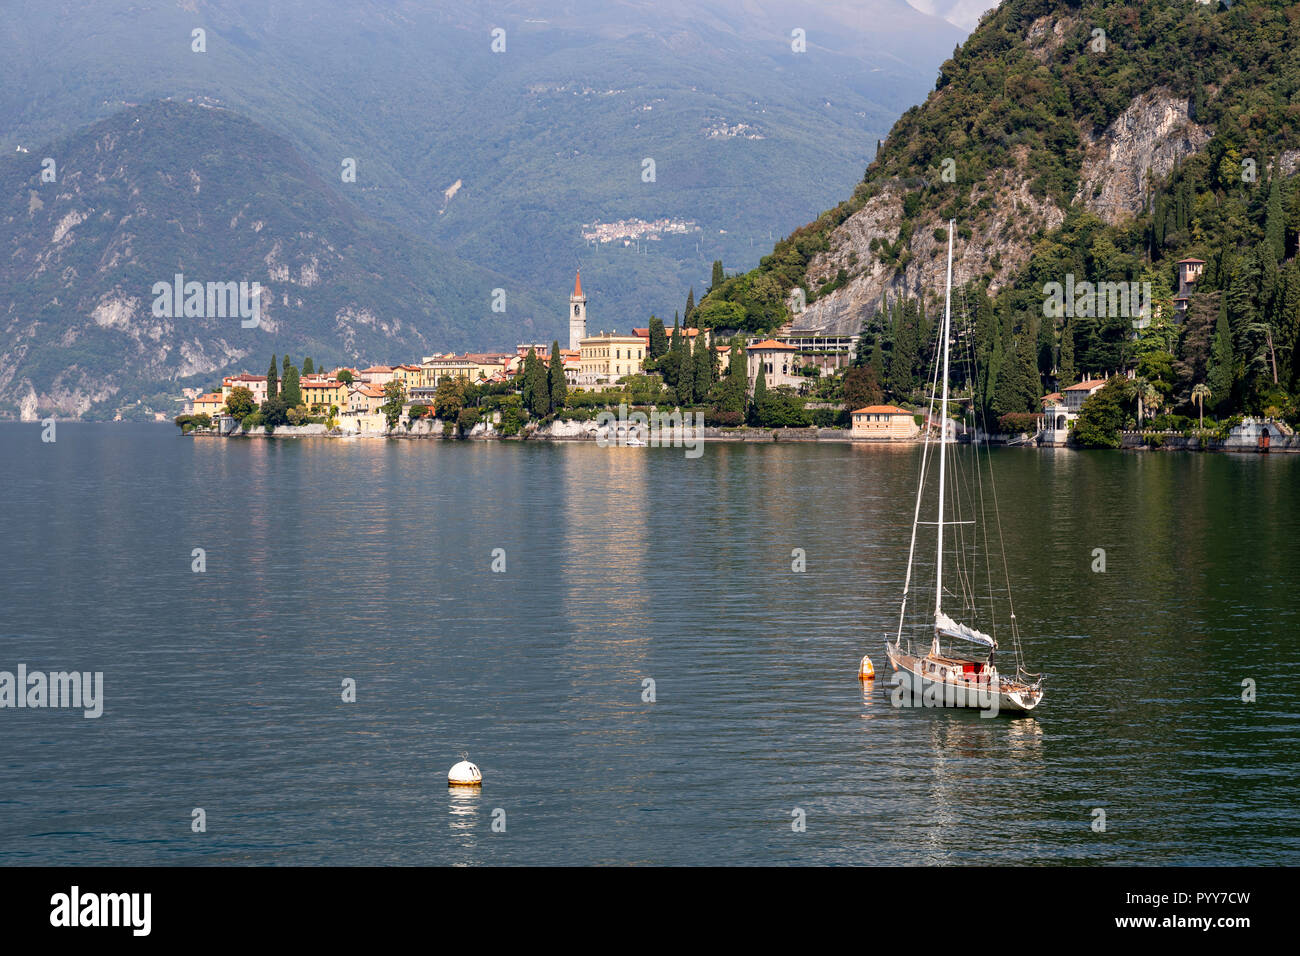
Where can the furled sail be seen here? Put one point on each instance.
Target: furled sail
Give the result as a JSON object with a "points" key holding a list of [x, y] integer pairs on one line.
{"points": [[947, 626]]}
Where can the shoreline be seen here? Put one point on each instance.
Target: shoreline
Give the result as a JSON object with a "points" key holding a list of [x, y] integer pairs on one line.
{"points": [[676, 438]]}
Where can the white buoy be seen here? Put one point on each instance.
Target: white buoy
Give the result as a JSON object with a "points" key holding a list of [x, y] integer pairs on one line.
{"points": [[865, 670], [464, 774]]}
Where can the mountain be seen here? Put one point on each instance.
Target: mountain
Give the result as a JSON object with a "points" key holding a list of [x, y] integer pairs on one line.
{"points": [[506, 159], [170, 188], [1074, 141]]}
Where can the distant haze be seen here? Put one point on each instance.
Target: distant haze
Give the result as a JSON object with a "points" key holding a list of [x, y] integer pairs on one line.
{"points": [[960, 13]]}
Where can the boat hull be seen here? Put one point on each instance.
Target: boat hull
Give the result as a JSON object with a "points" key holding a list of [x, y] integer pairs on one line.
{"points": [[931, 684]]}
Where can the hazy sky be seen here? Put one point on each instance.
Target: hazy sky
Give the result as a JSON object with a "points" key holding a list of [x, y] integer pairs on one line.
{"points": [[962, 13]]}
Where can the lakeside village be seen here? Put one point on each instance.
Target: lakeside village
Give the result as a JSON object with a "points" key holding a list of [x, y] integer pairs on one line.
{"points": [[785, 386]]}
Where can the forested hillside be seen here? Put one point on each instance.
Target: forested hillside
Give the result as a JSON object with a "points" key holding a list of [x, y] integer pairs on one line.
{"points": [[1102, 141]]}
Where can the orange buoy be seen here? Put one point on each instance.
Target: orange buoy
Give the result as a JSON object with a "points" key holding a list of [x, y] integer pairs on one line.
{"points": [[865, 670]]}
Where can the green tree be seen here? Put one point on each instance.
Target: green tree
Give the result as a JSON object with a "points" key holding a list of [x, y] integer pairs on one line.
{"points": [[861, 388], [539, 392], [658, 345], [1275, 221], [529, 377], [449, 398], [1066, 374], [690, 307], [394, 399], [291, 392], [1102, 416], [1219, 375], [272, 380], [1200, 392], [240, 403], [717, 275], [345, 376], [559, 388], [308, 367], [702, 361], [757, 406]]}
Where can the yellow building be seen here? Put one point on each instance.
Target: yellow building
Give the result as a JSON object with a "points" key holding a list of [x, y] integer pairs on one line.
{"points": [[884, 421], [607, 357], [473, 367], [209, 403], [324, 394], [408, 375]]}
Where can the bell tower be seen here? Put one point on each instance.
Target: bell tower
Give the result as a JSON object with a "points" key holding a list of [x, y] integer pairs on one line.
{"points": [[577, 313]]}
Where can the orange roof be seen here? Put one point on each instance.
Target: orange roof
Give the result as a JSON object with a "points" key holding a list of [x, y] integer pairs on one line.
{"points": [[882, 410], [245, 377], [774, 344], [378, 368], [1054, 397], [577, 285], [319, 384], [209, 397], [1089, 384]]}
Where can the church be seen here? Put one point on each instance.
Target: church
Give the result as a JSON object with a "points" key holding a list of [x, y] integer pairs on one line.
{"points": [[606, 357]]}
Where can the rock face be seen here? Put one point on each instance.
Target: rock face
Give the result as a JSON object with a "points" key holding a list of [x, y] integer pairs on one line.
{"points": [[1144, 143], [998, 246]]}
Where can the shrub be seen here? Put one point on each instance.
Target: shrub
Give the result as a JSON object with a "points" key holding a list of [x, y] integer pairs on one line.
{"points": [[717, 418], [1015, 423]]}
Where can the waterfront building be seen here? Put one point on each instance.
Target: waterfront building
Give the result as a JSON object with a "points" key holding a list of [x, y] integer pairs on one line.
{"points": [[364, 398], [324, 394], [884, 421], [777, 360], [608, 356], [377, 374], [209, 403], [1063, 407], [254, 383]]}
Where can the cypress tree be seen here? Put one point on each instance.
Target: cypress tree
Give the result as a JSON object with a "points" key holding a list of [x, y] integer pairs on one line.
{"points": [[559, 387], [685, 369], [760, 397], [528, 377], [1275, 222], [290, 392], [658, 338], [672, 365], [1219, 375], [690, 305], [717, 275], [1065, 371], [308, 368], [272, 381], [703, 363], [539, 390]]}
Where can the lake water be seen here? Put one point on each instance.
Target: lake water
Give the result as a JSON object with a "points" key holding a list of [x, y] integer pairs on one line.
{"points": [[372, 561]]}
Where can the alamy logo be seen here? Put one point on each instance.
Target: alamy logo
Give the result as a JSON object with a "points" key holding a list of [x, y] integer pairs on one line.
{"points": [[1101, 300], [674, 429], [37, 689], [75, 908], [212, 300]]}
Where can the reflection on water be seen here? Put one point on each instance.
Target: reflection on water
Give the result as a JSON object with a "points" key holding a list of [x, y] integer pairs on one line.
{"points": [[372, 561]]}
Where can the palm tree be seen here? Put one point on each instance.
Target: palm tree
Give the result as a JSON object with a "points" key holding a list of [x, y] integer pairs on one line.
{"points": [[1200, 392], [1148, 399]]}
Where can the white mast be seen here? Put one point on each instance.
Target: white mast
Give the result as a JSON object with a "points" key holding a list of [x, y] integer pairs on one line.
{"points": [[943, 438]]}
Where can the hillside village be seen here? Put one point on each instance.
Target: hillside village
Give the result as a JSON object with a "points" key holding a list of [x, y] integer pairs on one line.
{"points": [[764, 381], [789, 379]]}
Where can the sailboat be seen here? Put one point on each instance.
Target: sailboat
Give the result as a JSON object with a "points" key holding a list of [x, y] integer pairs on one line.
{"points": [[964, 674]]}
